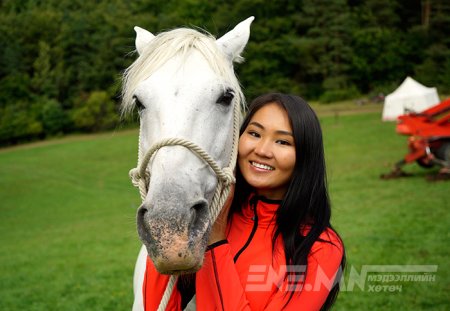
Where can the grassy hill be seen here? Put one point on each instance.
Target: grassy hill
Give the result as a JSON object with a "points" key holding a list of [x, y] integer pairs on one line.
{"points": [[68, 239]]}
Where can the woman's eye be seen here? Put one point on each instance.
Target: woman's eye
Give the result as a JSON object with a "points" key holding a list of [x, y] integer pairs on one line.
{"points": [[284, 142], [254, 134], [138, 104]]}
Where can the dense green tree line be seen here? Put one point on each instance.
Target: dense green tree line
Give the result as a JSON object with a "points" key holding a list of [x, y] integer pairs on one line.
{"points": [[61, 60]]}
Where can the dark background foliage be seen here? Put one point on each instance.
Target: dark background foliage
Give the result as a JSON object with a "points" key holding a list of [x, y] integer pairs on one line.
{"points": [[61, 60]]}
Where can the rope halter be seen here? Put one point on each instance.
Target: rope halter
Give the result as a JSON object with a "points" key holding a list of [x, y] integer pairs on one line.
{"points": [[140, 176]]}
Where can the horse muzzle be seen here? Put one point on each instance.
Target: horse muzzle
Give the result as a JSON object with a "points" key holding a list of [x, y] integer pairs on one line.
{"points": [[175, 236]]}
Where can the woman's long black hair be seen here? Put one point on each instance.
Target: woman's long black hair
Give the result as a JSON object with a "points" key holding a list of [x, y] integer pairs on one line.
{"points": [[306, 201]]}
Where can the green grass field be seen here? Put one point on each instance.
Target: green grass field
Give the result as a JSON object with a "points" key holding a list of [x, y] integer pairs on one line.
{"points": [[68, 239]]}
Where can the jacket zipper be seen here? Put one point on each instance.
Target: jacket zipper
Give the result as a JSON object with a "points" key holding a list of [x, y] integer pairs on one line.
{"points": [[216, 275], [255, 226]]}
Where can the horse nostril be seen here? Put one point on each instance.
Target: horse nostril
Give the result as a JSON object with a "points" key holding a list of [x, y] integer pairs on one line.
{"points": [[199, 212], [142, 210], [143, 225], [199, 206]]}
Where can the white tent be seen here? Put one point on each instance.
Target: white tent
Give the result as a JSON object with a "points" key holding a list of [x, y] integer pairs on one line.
{"points": [[409, 96]]}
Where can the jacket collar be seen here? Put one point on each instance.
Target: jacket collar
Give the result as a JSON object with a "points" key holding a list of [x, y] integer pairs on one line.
{"points": [[265, 209]]}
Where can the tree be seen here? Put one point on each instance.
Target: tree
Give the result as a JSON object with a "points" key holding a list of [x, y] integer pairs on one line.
{"points": [[56, 54], [43, 81], [327, 26]]}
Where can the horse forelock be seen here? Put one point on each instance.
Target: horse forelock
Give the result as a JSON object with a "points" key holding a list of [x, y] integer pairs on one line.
{"points": [[177, 42]]}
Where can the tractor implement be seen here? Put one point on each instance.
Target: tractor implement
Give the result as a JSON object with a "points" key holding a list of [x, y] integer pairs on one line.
{"points": [[428, 141]]}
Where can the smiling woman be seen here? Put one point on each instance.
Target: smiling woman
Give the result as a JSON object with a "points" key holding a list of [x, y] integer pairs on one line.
{"points": [[279, 224]]}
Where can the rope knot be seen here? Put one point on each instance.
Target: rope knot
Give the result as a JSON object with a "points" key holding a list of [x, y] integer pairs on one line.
{"points": [[229, 178], [135, 176], [137, 179]]}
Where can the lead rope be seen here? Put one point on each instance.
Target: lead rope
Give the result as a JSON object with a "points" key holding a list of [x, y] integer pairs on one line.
{"points": [[140, 177]]}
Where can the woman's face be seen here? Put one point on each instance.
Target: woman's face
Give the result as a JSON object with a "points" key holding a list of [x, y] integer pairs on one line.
{"points": [[267, 152]]}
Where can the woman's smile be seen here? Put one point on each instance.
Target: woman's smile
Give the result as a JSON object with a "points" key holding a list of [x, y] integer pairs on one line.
{"points": [[261, 166]]}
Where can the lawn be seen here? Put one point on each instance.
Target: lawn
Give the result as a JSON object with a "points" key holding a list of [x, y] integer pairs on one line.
{"points": [[68, 239], [67, 224]]}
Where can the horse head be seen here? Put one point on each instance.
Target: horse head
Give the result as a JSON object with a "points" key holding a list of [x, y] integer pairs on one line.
{"points": [[183, 85]]}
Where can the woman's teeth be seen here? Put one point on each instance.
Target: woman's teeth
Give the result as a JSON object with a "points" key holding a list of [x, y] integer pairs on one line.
{"points": [[262, 166]]}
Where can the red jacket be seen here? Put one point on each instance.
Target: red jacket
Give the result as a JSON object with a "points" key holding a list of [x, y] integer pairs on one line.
{"points": [[242, 273]]}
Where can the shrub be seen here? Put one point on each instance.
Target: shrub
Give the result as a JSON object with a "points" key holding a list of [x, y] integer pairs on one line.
{"points": [[17, 123], [339, 94], [96, 113], [54, 119]]}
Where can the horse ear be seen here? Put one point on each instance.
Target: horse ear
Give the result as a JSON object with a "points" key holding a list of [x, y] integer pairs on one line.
{"points": [[234, 41], [143, 37]]}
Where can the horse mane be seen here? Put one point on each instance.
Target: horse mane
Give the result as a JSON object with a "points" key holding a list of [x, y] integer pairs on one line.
{"points": [[166, 45]]}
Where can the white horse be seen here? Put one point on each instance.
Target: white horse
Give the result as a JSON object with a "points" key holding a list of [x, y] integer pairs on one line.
{"points": [[184, 86]]}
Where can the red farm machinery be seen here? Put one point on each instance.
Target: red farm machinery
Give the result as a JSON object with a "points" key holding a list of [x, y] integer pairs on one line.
{"points": [[428, 141]]}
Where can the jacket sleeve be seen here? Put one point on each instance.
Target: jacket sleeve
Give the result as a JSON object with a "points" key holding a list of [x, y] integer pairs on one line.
{"points": [[153, 290], [219, 286]]}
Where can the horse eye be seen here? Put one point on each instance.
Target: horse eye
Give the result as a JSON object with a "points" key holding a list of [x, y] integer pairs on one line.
{"points": [[138, 103], [226, 98]]}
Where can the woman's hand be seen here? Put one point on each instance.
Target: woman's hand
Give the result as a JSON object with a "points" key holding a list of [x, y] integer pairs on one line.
{"points": [[218, 231]]}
